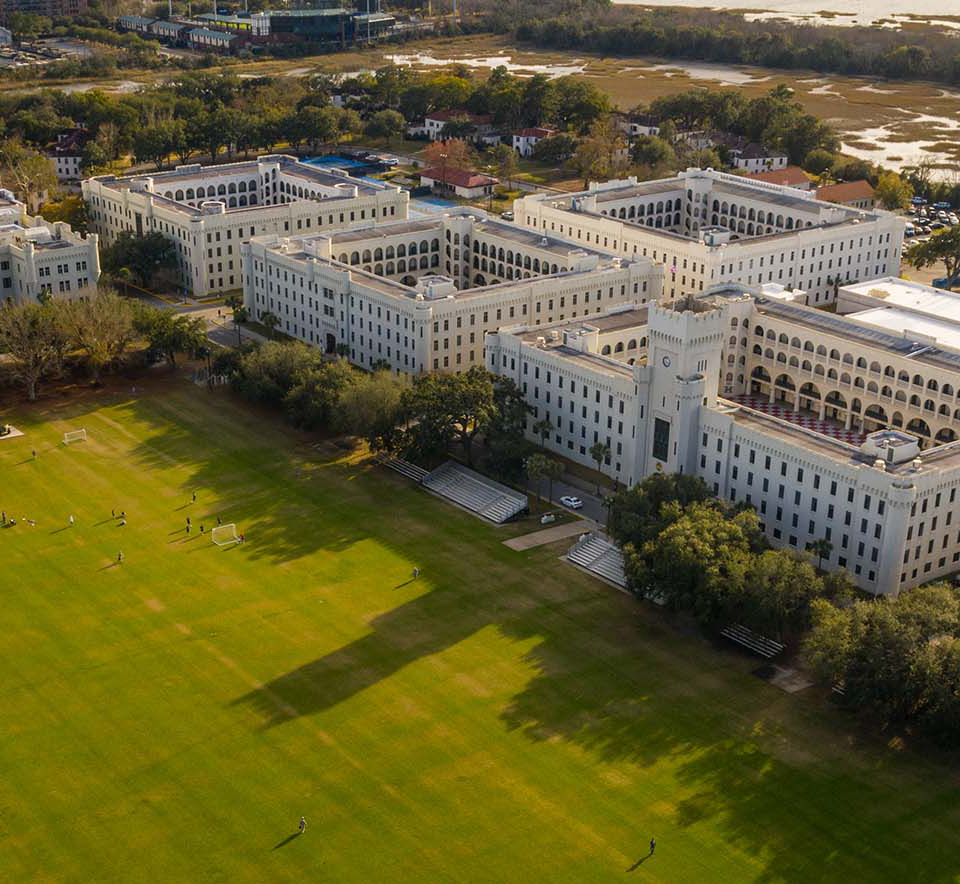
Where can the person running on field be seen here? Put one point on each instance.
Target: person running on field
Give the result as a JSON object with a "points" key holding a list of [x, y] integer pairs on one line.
{"points": [[303, 825]]}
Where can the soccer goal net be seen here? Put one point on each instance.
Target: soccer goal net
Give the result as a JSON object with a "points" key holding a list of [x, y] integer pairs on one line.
{"points": [[224, 535], [74, 436]]}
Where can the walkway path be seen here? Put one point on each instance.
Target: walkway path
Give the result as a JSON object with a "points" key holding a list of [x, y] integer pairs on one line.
{"points": [[549, 535]]}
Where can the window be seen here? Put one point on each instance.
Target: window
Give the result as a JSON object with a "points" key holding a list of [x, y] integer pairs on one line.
{"points": [[661, 439]]}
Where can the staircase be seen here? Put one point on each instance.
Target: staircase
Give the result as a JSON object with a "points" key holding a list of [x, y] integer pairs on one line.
{"points": [[600, 556]]}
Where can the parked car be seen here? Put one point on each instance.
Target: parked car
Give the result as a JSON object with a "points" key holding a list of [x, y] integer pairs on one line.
{"points": [[909, 230], [573, 503], [937, 225], [507, 216], [941, 205], [918, 201]]}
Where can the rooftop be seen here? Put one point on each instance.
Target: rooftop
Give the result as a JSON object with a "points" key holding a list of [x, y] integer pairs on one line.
{"points": [[791, 176], [722, 185], [458, 177], [182, 175], [845, 191]]}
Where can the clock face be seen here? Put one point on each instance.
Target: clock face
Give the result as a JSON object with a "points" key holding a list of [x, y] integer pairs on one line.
{"points": [[666, 362]]}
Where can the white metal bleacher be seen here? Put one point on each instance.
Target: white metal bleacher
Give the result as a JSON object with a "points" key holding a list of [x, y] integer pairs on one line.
{"points": [[600, 556], [475, 493], [405, 468]]}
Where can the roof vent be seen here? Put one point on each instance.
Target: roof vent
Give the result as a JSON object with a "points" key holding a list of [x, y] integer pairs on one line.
{"points": [[880, 464]]}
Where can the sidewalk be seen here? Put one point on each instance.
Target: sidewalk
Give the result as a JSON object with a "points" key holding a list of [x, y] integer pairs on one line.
{"points": [[549, 535]]}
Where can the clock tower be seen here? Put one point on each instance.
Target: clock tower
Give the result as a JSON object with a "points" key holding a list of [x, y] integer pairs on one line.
{"points": [[682, 374]]}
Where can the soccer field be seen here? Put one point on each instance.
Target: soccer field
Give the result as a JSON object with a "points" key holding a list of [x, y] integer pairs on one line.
{"points": [[503, 718]]}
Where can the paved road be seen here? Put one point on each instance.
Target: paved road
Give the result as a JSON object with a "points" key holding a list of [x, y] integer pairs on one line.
{"points": [[593, 507]]}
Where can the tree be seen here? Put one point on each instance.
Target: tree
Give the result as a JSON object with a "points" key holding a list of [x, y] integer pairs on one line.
{"points": [[169, 333], [653, 151], [893, 192], [538, 468], [505, 158], [25, 25], [443, 408], [311, 401], [543, 428], [240, 313], [269, 321], [699, 562], [268, 373], [35, 339], [600, 154], [943, 246], [146, 260], [71, 209], [155, 142], [27, 172], [599, 451], [553, 470], [102, 327], [821, 549], [819, 161], [777, 593], [577, 103], [443, 155], [640, 513], [94, 157], [388, 124], [461, 404], [318, 125], [506, 443], [370, 406], [555, 150]]}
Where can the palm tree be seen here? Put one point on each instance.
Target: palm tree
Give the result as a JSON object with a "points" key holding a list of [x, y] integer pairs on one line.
{"points": [[554, 470], [821, 549], [543, 428], [537, 468], [599, 451], [270, 321], [240, 313]]}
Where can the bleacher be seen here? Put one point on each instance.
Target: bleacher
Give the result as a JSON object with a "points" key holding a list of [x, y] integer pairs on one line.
{"points": [[600, 556], [404, 468], [753, 641], [475, 493]]}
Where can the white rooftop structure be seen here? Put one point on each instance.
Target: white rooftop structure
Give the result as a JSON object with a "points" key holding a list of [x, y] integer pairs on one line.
{"points": [[917, 312]]}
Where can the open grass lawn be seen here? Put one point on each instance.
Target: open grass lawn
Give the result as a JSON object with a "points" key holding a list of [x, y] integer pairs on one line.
{"points": [[504, 718]]}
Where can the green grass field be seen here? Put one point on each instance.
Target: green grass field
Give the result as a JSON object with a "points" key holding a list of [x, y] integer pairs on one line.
{"points": [[502, 719]]}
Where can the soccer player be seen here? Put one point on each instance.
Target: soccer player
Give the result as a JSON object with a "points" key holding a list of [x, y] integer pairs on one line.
{"points": [[71, 521], [201, 527], [120, 558], [194, 497], [303, 825]]}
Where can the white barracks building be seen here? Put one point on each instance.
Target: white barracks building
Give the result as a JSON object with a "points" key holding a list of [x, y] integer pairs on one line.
{"points": [[836, 427], [210, 211], [39, 257], [706, 227], [420, 295]]}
